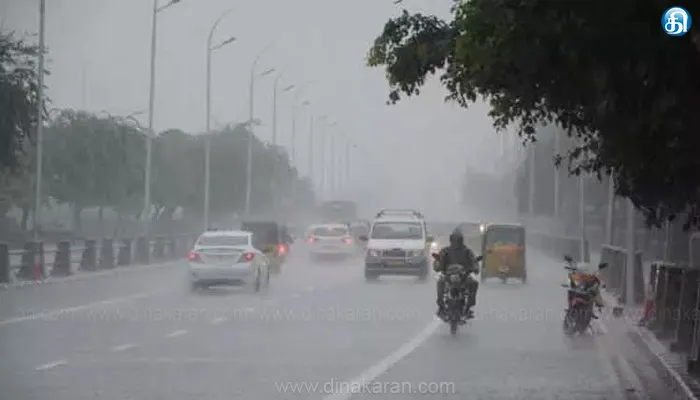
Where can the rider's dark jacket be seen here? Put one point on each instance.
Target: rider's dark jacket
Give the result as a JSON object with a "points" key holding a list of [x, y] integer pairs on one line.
{"points": [[457, 254]]}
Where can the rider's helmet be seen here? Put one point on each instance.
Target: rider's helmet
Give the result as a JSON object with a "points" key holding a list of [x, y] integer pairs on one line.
{"points": [[456, 238]]}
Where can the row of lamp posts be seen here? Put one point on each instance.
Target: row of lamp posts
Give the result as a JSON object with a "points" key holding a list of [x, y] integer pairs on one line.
{"points": [[149, 131]]}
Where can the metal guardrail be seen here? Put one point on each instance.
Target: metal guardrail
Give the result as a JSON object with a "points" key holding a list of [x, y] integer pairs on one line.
{"points": [[674, 289], [559, 246], [37, 260]]}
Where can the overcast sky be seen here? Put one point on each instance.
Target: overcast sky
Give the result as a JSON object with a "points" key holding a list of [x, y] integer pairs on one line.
{"points": [[99, 60]]}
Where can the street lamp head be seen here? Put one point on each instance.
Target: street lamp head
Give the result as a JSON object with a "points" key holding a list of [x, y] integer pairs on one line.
{"points": [[306, 103], [224, 43], [168, 4], [288, 88], [268, 72], [229, 40]]}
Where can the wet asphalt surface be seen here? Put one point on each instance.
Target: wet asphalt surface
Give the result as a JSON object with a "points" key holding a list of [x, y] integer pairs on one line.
{"points": [[320, 331]]}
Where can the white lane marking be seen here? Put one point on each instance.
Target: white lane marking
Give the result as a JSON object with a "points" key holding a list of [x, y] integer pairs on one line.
{"points": [[373, 372], [125, 346], [51, 365], [218, 320], [249, 309], [53, 314], [176, 333], [295, 295]]}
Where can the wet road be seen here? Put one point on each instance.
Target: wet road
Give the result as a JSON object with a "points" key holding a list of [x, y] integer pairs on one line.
{"points": [[318, 332]]}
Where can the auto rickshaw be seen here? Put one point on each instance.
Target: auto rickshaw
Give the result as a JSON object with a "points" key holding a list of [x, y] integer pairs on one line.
{"points": [[503, 247], [272, 239]]}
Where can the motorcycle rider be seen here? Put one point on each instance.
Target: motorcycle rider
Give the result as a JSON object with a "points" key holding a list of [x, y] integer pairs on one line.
{"points": [[585, 273], [457, 253]]}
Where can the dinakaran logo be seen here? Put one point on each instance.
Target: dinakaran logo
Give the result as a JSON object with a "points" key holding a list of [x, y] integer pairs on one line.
{"points": [[676, 21]]}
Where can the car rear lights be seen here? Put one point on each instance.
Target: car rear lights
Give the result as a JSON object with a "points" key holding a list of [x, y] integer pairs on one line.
{"points": [[310, 240], [282, 249], [347, 240], [194, 256], [247, 257]]}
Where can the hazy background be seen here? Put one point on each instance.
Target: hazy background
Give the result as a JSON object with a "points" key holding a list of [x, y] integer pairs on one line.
{"points": [[99, 60]]}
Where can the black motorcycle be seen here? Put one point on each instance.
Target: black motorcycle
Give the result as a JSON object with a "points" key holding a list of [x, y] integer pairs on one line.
{"points": [[455, 295]]}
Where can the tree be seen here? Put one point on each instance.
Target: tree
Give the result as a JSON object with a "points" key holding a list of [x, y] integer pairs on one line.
{"points": [[16, 189], [629, 103], [92, 161], [19, 87], [178, 165]]}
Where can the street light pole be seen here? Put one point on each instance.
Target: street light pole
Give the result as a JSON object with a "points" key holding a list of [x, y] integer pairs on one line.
{"points": [[556, 180], [295, 110], [207, 144], [151, 104], [331, 168], [40, 121], [311, 149], [251, 116], [631, 255], [610, 210], [348, 151]]}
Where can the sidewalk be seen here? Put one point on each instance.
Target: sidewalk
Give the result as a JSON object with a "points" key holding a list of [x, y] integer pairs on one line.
{"points": [[671, 367]]}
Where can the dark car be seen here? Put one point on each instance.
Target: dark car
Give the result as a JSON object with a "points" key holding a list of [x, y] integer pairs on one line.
{"points": [[272, 238]]}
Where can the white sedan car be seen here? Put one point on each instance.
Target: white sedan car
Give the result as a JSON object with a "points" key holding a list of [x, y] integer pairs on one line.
{"points": [[330, 240], [227, 258]]}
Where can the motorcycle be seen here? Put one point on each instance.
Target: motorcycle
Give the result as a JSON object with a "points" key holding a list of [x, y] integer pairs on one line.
{"points": [[455, 294], [582, 289]]}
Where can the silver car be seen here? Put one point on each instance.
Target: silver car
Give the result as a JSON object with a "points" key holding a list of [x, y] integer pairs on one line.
{"points": [[330, 240], [227, 258]]}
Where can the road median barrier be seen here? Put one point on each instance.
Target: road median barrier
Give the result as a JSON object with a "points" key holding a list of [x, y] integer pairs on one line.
{"points": [[37, 261]]}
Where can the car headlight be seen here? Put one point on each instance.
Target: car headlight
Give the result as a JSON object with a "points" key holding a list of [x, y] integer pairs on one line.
{"points": [[482, 228], [434, 245], [416, 254], [374, 253]]}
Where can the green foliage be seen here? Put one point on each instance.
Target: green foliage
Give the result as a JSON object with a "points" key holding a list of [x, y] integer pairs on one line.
{"points": [[18, 98], [95, 161], [602, 71]]}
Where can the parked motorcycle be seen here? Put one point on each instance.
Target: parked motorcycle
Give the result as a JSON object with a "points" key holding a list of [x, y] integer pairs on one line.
{"points": [[582, 289], [455, 295]]}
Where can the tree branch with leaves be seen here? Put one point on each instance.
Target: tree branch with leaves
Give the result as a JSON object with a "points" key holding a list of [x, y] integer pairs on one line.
{"points": [[626, 93]]}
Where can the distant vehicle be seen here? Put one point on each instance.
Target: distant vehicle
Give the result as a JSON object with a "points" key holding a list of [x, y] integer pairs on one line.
{"points": [[227, 258], [397, 245], [270, 238], [330, 240], [399, 211], [338, 211]]}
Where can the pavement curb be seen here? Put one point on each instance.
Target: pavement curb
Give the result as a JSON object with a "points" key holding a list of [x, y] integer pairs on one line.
{"points": [[86, 275], [668, 365], [662, 362]]}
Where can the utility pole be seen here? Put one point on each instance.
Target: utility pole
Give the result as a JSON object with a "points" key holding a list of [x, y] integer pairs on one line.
{"points": [[311, 149], [556, 179], [332, 167], [582, 216], [631, 255], [40, 121], [531, 175], [609, 238]]}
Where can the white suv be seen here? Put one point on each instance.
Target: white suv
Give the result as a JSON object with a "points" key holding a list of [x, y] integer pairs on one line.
{"points": [[397, 245]]}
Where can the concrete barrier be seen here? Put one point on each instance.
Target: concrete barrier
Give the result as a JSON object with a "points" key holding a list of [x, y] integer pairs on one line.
{"points": [[37, 260]]}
